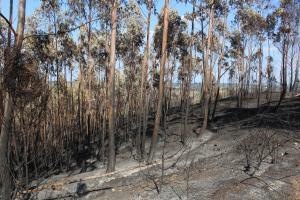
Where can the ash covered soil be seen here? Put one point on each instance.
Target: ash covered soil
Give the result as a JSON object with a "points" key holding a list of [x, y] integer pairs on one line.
{"points": [[246, 153]]}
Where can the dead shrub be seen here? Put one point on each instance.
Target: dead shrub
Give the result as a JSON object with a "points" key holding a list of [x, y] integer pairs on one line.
{"points": [[260, 146]]}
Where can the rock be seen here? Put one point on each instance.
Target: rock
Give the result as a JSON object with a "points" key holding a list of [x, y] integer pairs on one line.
{"points": [[246, 168], [81, 189]]}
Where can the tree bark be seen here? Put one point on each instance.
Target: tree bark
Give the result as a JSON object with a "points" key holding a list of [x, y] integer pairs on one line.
{"points": [[189, 80], [220, 65], [259, 74], [143, 90], [161, 83], [291, 66], [283, 71], [4, 142], [8, 110], [269, 75], [111, 91], [296, 79], [89, 74], [208, 70]]}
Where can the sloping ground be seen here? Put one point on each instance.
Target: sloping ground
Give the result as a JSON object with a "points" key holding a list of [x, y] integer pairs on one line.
{"points": [[210, 167], [63, 186], [213, 170], [266, 116], [218, 174]]}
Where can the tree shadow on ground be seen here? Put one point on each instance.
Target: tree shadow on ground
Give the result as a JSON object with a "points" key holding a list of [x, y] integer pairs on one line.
{"points": [[286, 116]]}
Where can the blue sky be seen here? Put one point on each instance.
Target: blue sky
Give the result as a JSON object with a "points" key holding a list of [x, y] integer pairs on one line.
{"points": [[31, 5], [180, 7]]}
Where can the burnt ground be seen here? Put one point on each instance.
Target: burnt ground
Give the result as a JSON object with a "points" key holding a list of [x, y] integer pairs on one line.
{"points": [[212, 166]]}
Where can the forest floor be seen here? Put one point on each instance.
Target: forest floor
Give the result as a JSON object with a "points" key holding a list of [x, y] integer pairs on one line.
{"points": [[211, 166]]}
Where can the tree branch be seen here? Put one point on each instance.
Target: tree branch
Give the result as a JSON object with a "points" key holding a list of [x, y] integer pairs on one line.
{"points": [[228, 68], [62, 32], [9, 24]]}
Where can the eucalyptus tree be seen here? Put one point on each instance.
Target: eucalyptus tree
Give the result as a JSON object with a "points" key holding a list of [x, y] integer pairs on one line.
{"points": [[177, 44], [90, 66], [130, 42], [175, 25], [292, 55], [163, 52], [296, 79], [265, 26], [236, 52], [190, 69], [222, 29], [143, 104], [201, 41], [111, 88], [10, 69], [184, 75], [180, 45], [5, 42], [101, 58], [287, 17], [252, 25], [51, 10], [270, 26], [213, 8], [41, 45], [56, 51], [294, 42], [82, 12], [177, 51], [269, 75]]}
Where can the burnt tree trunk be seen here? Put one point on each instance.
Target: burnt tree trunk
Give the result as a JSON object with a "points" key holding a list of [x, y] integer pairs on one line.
{"points": [[208, 70], [8, 109], [111, 91], [259, 74], [161, 84]]}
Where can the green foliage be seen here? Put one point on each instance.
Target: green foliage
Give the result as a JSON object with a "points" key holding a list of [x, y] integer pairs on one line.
{"points": [[177, 38], [252, 22], [236, 40], [287, 18]]}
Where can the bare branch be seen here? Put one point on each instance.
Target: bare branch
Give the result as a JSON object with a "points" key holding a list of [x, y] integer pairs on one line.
{"points": [[63, 32], [9, 24]]}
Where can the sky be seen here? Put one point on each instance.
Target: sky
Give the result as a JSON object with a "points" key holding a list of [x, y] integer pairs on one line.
{"points": [[31, 5], [182, 8]]}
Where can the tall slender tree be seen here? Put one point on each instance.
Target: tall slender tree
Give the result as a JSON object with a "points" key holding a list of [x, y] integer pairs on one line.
{"points": [[208, 67], [111, 89], [143, 89], [161, 83], [12, 60]]}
